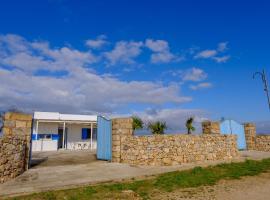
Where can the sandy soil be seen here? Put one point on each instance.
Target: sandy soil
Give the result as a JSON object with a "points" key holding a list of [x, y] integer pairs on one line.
{"points": [[247, 188]]}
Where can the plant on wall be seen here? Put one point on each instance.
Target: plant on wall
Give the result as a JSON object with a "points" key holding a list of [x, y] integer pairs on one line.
{"points": [[137, 123], [157, 127], [189, 125]]}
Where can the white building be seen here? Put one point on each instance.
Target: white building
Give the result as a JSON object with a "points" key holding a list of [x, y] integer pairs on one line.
{"points": [[53, 131]]}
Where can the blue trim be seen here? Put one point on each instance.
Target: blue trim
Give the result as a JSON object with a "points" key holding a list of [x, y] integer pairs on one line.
{"points": [[84, 133], [54, 136]]}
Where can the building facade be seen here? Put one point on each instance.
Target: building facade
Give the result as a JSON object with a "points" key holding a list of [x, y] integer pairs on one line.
{"points": [[53, 131]]}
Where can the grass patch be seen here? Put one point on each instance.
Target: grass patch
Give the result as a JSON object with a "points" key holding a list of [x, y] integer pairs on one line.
{"points": [[167, 182]]}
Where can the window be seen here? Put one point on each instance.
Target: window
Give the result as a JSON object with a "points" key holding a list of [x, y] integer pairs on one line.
{"points": [[86, 133], [45, 136]]}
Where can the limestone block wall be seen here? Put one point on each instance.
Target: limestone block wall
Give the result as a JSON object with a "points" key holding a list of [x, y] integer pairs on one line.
{"points": [[177, 149], [168, 149], [210, 127], [263, 142], [250, 135], [120, 127], [254, 141], [15, 145]]}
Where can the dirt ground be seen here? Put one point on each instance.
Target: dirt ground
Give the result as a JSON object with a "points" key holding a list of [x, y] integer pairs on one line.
{"points": [[61, 158], [69, 169], [247, 188]]}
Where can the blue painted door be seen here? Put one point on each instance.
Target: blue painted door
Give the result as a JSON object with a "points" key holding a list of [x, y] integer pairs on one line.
{"points": [[232, 127], [104, 138]]}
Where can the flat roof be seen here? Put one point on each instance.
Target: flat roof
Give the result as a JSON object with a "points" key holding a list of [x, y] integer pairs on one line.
{"points": [[56, 116]]}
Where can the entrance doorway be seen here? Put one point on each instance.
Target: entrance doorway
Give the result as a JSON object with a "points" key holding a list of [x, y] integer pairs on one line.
{"points": [[60, 138], [62, 141]]}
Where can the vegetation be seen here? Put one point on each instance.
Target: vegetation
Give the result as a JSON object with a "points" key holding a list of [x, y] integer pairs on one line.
{"points": [[137, 123], [167, 182], [157, 127], [189, 125]]}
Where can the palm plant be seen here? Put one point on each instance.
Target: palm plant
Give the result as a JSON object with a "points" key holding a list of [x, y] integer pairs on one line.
{"points": [[189, 125], [137, 123], [157, 127]]}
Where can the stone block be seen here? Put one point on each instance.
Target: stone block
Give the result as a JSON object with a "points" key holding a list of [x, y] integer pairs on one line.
{"points": [[19, 116], [20, 124]]}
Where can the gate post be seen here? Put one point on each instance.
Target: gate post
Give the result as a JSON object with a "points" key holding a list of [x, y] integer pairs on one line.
{"points": [[120, 127], [250, 134], [15, 145]]}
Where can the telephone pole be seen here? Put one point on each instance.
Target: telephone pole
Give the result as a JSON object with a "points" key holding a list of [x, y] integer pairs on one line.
{"points": [[265, 83]]}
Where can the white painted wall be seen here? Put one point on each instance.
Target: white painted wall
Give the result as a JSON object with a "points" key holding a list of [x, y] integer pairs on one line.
{"points": [[74, 140], [45, 144]]}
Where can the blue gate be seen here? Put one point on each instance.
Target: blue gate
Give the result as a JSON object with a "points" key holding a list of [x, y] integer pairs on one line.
{"points": [[104, 138], [232, 127]]}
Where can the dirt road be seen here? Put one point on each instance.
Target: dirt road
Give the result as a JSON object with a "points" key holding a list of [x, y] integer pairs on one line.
{"points": [[247, 188]]}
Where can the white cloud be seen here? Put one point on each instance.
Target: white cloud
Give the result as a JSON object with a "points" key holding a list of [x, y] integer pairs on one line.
{"points": [[80, 90], [214, 54], [222, 46], [30, 57], [161, 52], [98, 43], [200, 86], [124, 52], [206, 54], [157, 45], [164, 57], [221, 59], [194, 74]]}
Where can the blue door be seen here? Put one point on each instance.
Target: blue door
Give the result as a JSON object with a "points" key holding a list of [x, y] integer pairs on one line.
{"points": [[104, 138], [232, 127]]}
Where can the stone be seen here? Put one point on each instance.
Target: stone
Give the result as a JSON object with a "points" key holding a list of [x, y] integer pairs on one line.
{"points": [[14, 145]]}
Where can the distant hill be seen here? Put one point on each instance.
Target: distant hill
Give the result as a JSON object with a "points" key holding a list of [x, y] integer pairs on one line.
{"points": [[263, 127]]}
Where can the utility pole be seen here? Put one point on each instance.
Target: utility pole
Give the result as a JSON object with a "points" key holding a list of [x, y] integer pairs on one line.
{"points": [[265, 83]]}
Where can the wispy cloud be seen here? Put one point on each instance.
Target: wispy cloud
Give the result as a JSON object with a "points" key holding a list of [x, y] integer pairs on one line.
{"points": [[124, 52], [78, 90], [161, 52], [200, 86], [97, 43], [214, 54], [194, 74]]}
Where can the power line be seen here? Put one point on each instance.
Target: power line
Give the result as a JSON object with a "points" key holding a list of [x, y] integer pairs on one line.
{"points": [[265, 83]]}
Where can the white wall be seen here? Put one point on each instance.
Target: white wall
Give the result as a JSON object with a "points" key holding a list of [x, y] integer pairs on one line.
{"points": [[45, 144], [74, 134]]}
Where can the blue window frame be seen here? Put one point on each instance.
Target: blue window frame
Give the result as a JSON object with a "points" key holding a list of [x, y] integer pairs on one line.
{"points": [[86, 133]]}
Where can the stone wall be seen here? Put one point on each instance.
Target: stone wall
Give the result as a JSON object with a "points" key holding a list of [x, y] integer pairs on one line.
{"points": [[120, 127], [177, 149], [209, 127], [254, 141], [15, 145], [168, 149], [250, 135], [263, 142]]}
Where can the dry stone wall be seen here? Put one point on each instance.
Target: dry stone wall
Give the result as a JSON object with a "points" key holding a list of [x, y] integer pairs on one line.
{"points": [[177, 149], [254, 141], [263, 142], [209, 127], [250, 135], [168, 149], [15, 145]]}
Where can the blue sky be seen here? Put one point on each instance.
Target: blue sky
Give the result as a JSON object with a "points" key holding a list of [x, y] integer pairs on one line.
{"points": [[158, 59]]}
